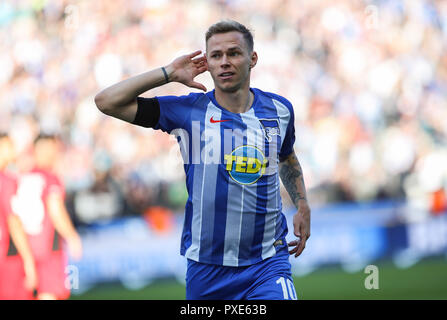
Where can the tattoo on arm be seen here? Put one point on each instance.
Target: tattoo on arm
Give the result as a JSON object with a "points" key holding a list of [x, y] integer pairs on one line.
{"points": [[292, 177]]}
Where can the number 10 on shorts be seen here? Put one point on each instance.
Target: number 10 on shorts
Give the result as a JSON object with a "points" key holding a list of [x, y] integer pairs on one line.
{"points": [[288, 289]]}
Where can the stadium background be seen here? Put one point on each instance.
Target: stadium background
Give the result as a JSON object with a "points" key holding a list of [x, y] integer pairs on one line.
{"points": [[368, 81]]}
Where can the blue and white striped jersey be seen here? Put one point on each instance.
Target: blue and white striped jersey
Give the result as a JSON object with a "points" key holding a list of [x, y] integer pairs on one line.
{"points": [[233, 213]]}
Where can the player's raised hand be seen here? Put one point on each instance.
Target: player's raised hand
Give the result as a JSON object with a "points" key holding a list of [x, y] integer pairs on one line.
{"points": [[185, 68], [301, 229]]}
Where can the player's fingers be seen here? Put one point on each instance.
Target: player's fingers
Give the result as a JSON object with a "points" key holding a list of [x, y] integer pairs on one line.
{"points": [[201, 65], [195, 53], [303, 234], [202, 69], [295, 244], [197, 86], [199, 70], [293, 250], [292, 243], [300, 248], [199, 60]]}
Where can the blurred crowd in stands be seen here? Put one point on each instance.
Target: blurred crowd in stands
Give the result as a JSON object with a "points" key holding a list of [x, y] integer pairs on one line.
{"points": [[367, 79]]}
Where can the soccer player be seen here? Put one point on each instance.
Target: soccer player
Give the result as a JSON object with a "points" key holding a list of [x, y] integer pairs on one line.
{"points": [[236, 141], [17, 269], [39, 203]]}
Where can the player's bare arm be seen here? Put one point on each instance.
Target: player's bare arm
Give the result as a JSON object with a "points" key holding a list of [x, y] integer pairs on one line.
{"points": [[62, 223], [292, 177], [120, 99], [20, 240]]}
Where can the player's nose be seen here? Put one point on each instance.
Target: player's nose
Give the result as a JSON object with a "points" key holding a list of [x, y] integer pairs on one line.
{"points": [[224, 61]]}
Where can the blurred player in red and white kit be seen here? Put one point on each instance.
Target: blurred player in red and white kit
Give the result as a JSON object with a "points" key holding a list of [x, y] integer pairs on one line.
{"points": [[18, 276], [39, 202]]}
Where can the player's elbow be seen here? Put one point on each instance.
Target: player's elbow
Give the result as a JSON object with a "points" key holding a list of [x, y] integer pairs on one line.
{"points": [[102, 102]]}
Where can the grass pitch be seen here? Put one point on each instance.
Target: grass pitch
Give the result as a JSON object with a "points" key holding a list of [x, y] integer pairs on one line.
{"points": [[424, 280]]}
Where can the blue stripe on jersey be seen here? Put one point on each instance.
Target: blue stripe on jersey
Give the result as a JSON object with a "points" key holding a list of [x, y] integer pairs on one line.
{"points": [[186, 234], [189, 171], [220, 208], [191, 246], [208, 205]]}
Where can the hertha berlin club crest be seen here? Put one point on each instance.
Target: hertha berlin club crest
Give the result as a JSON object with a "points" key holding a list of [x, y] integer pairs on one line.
{"points": [[270, 127]]}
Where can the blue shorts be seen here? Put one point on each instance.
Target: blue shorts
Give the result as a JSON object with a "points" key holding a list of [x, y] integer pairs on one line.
{"points": [[270, 279]]}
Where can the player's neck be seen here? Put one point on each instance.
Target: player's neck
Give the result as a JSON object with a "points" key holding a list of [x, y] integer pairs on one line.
{"points": [[43, 166], [238, 101]]}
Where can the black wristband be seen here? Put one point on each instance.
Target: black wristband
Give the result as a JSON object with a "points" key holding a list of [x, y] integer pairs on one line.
{"points": [[165, 73]]}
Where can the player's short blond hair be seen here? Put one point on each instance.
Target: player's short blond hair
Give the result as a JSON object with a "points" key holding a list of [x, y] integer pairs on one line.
{"points": [[228, 26]]}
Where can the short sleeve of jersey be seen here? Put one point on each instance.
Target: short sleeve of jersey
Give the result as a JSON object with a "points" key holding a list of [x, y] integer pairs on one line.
{"points": [[289, 139], [53, 186], [175, 110]]}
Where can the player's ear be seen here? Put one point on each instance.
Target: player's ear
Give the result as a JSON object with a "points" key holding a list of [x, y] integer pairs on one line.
{"points": [[254, 59]]}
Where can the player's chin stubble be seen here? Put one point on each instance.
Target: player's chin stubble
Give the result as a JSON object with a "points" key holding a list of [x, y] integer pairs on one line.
{"points": [[231, 88]]}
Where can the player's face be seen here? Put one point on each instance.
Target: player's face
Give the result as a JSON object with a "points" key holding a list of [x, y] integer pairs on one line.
{"points": [[229, 60], [7, 151], [46, 152]]}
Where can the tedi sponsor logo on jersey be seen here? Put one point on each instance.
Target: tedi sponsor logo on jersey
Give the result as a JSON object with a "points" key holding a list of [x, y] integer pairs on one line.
{"points": [[246, 164]]}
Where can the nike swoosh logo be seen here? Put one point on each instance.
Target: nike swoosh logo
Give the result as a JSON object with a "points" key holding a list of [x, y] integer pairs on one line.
{"points": [[216, 121]]}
